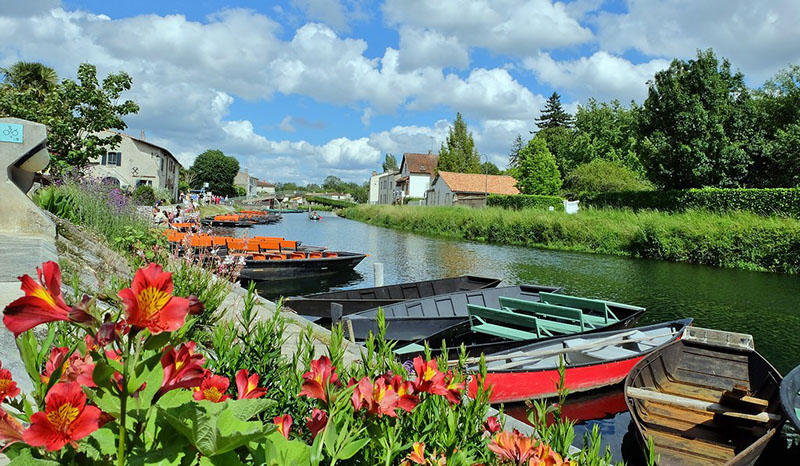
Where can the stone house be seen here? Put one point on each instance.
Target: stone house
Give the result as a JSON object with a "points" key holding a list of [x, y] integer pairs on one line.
{"points": [[244, 180], [265, 189], [470, 189], [136, 162], [382, 187]]}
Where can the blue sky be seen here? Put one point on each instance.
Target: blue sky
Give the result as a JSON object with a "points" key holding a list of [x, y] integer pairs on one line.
{"points": [[301, 89]]}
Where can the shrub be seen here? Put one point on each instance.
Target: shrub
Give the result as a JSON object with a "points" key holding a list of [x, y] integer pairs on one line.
{"points": [[330, 202], [783, 202], [538, 172], [144, 195], [599, 176], [525, 201]]}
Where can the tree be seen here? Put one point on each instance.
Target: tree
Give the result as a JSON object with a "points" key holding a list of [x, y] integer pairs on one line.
{"points": [[553, 115], [458, 153], [537, 172], [602, 175], [490, 169], [216, 169], [390, 164], [75, 113], [516, 146], [605, 131], [559, 141], [697, 125], [333, 183], [33, 77]]}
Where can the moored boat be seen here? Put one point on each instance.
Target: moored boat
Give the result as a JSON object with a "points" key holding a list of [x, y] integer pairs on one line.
{"points": [[279, 266], [411, 320], [590, 362], [507, 322], [231, 221], [360, 299], [708, 398], [790, 396]]}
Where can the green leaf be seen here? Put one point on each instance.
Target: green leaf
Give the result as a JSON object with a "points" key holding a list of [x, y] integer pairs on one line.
{"points": [[147, 371], [226, 459], [106, 401], [352, 448], [26, 459], [246, 409], [279, 451], [102, 374], [101, 444], [157, 342]]}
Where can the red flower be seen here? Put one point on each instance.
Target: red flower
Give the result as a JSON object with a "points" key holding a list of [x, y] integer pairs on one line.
{"points": [[42, 302], [149, 302], [247, 387], [195, 306], [10, 430], [317, 421], [378, 398], [183, 368], [76, 368], [66, 418], [452, 388], [362, 394], [522, 450], [106, 334], [429, 378], [417, 454], [284, 424], [317, 381], [407, 401], [212, 388], [8, 388], [492, 425]]}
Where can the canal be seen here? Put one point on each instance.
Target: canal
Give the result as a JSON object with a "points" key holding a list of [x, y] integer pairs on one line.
{"points": [[762, 304]]}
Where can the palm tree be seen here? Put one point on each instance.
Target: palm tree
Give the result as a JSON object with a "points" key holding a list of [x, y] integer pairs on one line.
{"points": [[30, 76]]}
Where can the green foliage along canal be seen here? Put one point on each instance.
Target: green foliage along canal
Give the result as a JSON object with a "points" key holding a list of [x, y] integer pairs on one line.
{"points": [[762, 304]]}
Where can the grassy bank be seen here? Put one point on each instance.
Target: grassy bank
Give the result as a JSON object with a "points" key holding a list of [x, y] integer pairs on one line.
{"points": [[739, 240]]}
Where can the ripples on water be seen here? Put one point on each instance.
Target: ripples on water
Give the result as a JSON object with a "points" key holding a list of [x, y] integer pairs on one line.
{"points": [[762, 304]]}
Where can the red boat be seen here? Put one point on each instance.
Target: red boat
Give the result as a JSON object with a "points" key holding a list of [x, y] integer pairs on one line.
{"points": [[591, 361]]}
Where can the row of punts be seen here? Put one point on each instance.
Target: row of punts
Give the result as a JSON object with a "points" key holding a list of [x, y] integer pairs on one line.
{"points": [[243, 219], [702, 396]]}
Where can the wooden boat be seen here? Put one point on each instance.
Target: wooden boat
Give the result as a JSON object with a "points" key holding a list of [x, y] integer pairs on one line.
{"points": [[591, 361], [411, 320], [790, 396], [314, 216], [231, 221], [708, 398], [361, 299], [279, 266], [507, 322]]}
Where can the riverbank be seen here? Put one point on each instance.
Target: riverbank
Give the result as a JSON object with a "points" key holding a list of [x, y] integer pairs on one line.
{"points": [[738, 240]]}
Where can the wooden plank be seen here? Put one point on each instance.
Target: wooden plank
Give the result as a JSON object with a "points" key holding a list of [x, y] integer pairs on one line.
{"points": [[690, 452], [650, 395]]}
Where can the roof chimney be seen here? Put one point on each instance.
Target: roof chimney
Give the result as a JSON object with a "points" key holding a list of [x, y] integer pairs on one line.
{"points": [[429, 152]]}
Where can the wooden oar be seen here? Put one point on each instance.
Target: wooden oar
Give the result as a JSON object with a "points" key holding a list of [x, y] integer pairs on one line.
{"points": [[691, 403], [538, 353], [527, 360]]}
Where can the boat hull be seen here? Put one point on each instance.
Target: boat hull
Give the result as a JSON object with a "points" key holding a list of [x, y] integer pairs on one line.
{"points": [[790, 399], [277, 270], [361, 299]]}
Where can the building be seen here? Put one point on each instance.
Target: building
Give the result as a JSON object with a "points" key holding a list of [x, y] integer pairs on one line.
{"points": [[136, 162], [247, 182], [468, 189], [382, 187], [265, 189], [416, 173]]}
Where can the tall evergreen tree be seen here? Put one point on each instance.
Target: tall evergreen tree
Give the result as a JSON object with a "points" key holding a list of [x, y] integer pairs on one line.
{"points": [[390, 163], [553, 114], [458, 153], [513, 156]]}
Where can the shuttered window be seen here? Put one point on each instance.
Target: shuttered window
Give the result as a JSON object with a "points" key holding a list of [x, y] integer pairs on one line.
{"points": [[114, 158]]}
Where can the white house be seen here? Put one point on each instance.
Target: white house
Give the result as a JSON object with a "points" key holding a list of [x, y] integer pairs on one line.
{"points": [[416, 173], [469, 189], [265, 189], [136, 162], [382, 187], [244, 180]]}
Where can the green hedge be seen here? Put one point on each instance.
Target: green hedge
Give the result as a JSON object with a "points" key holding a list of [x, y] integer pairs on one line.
{"points": [[525, 201], [783, 202], [330, 202]]}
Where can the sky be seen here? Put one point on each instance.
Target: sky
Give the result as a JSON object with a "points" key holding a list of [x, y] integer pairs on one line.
{"points": [[298, 90]]}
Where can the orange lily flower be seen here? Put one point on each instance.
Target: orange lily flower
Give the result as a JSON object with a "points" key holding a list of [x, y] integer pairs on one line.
{"points": [[247, 386], [429, 378], [66, 418], [149, 302], [76, 368], [317, 381], [405, 389], [284, 424], [42, 302], [8, 388], [417, 454], [212, 388], [10, 430], [183, 368]]}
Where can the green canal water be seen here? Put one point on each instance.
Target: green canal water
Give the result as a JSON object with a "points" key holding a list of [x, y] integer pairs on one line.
{"points": [[765, 305]]}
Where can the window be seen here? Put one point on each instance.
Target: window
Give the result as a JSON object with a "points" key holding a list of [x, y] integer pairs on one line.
{"points": [[162, 164], [113, 158]]}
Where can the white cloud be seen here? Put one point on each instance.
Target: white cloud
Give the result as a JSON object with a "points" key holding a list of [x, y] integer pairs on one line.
{"points": [[514, 27], [286, 124], [758, 37], [366, 116], [601, 75], [420, 48], [331, 12]]}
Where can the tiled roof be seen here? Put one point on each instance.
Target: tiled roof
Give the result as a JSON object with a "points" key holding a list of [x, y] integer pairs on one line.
{"points": [[477, 183], [421, 163]]}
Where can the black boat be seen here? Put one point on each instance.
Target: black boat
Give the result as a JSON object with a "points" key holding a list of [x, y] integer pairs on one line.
{"points": [[276, 267], [708, 398], [790, 396], [361, 299], [227, 223], [408, 321], [506, 321]]}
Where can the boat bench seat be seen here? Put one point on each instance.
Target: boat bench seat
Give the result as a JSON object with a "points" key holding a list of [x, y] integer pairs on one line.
{"points": [[603, 353], [489, 321], [596, 305], [559, 318]]}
